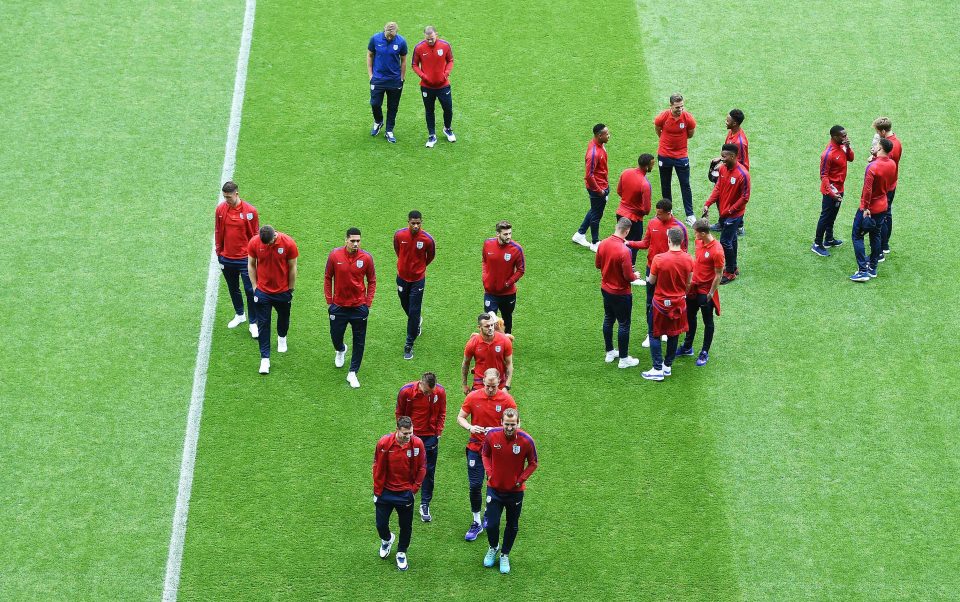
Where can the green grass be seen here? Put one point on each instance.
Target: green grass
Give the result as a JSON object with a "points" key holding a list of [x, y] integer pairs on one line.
{"points": [[815, 457]]}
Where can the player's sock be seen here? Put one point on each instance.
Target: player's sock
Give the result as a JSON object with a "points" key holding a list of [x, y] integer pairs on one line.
{"points": [[476, 517]]}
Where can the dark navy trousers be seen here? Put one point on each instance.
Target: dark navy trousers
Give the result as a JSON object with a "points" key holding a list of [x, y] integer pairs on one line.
{"points": [[377, 92], [598, 202], [829, 208], [356, 318], [497, 502], [411, 300], [266, 303], [475, 476], [432, 445], [503, 305], [402, 502], [430, 97], [617, 308], [667, 165], [859, 247], [235, 271]]}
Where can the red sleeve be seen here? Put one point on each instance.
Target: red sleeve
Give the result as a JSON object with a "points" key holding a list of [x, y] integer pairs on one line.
{"points": [[691, 123], [449, 66], [620, 185], [597, 259], [441, 419], [421, 466], [218, 231], [431, 251], [518, 270], [416, 64], [401, 405], [825, 172], [531, 461], [251, 247], [590, 160], [396, 242], [379, 469], [507, 349], [660, 119], [849, 155], [645, 197], [255, 223], [744, 198], [294, 252], [485, 456], [867, 187], [371, 283], [328, 279], [469, 349], [626, 264], [655, 265], [641, 244]]}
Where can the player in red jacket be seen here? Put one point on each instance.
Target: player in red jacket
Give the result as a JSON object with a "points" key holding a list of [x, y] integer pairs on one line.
{"points": [[484, 407], [425, 401], [509, 459], [833, 174], [415, 250], [399, 467], [883, 126], [235, 223], [879, 179], [672, 274], [598, 187], [731, 193], [634, 191], [616, 275], [502, 264], [487, 349], [272, 264], [704, 295], [349, 300], [433, 62]]}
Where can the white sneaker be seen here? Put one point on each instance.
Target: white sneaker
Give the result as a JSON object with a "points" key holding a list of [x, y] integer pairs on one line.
{"points": [[646, 342], [401, 561], [339, 357], [431, 142], [667, 370], [254, 331], [451, 137], [281, 344], [611, 356], [352, 379], [639, 282], [628, 362], [265, 365], [580, 239], [652, 374], [663, 338], [386, 546], [690, 220], [593, 246], [237, 320]]}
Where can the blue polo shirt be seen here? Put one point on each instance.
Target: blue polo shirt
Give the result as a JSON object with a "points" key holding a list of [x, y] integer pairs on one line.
{"points": [[386, 59]]}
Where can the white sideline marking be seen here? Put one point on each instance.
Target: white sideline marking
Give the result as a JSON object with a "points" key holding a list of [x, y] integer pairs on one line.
{"points": [[171, 582]]}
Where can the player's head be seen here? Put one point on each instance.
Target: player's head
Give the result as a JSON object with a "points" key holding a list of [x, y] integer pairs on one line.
{"points": [[676, 104], [510, 421], [487, 323], [504, 231], [430, 34], [230, 193], [728, 152], [883, 126], [734, 118], [600, 133], [674, 237], [415, 221], [664, 209], [428, 381], [491, 381], [623, 227], [267, 234], [352, 239], [702, 228], [404, 430], [838, 133], [390, 30], [645, 162], [886, 145]]}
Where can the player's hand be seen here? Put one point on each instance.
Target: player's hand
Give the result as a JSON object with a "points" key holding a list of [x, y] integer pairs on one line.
{"points": [[636, 275], [466, 389], [478, 430]]}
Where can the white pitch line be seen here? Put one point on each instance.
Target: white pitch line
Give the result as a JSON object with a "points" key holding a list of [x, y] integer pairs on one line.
{"points": [[171, 582]]}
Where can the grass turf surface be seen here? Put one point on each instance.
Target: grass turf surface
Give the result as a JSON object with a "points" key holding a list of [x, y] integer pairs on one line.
{"points": [[814, 457]]}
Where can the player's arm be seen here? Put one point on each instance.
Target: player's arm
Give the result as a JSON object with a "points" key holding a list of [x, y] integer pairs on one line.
{"points": [[396, 243], [519, 267], [252, 269], [417, 64], [441, 422], [328, 280], [867, 189], [691, 126], [626, 265], [658, 129], [462, 421], [465, 374], [431, 251], [487, 458], [532, 463], [689, 282], [370, 64], [254, 224], [717, 275], [449, 66], [508, 370], [291, 273], [218, 233], [652, 278], [590, 161], [421, 467], [379, 471], [403, 66], [401, 409], [713, 198], [641, 244], [371, 284]]}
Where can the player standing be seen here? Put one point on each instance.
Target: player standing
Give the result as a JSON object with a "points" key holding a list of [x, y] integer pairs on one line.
{"points": [[598, 188], [485, 408], [387, 68], [704, 296], [488, 349], [272, 264], [731, 193], [425, 401], [415, 250], [634, 191], [883, 127], [616, 274], [672, 273], [235, 223], [509, 459], [879, 179], [502, 265], [399, 467], [349, 300], [833, 174], [433, 62], [674, 127], [736, 135]]}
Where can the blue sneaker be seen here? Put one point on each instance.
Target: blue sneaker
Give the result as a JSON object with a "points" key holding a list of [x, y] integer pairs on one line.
{"points": [[872, 271], [408, 352], [425, 513], [684, 351], [390, 137], [490, 558], [820, 250], [504, 564], [703, 358], [716, 227], [860, 276], [474, 530], [376, 128], [835, 242]]}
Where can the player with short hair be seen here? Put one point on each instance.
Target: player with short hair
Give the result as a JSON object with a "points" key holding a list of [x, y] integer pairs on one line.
{"points": [[704, 295], [399, 467], [731, 193], [235, 223], [634, 191], [272, 265], [415, 250], [349, 300], [598, 188], [502, 265], [433, 62], [883, 127], [736, 135], [487, 349], [833, 174], [484, 407], [674, 126], [616, 275], [880, 177], [387, 68], [425, 401], [672, 273], [509, 459]]}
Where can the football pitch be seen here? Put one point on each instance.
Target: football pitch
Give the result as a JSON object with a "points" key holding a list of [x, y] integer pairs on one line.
{"points": [[816, 456]]}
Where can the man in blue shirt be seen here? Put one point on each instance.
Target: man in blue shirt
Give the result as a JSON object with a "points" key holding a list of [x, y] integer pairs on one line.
{"points": [[387, 67]]}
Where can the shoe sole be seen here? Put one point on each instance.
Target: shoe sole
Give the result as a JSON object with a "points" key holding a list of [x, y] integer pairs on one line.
{"points": [[653, 378]]}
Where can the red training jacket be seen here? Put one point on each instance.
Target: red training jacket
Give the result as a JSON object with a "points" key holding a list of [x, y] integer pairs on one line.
{"points": [[398, 467], [655, 238], [414, 253], [615, 265], [634, 191], [732, 190], [595, 171], [502, 266], [833, 166], [273, 267], [428, 412], [433, 63], [508, 462], [349, 270], [881, 176], [234, 227]]}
